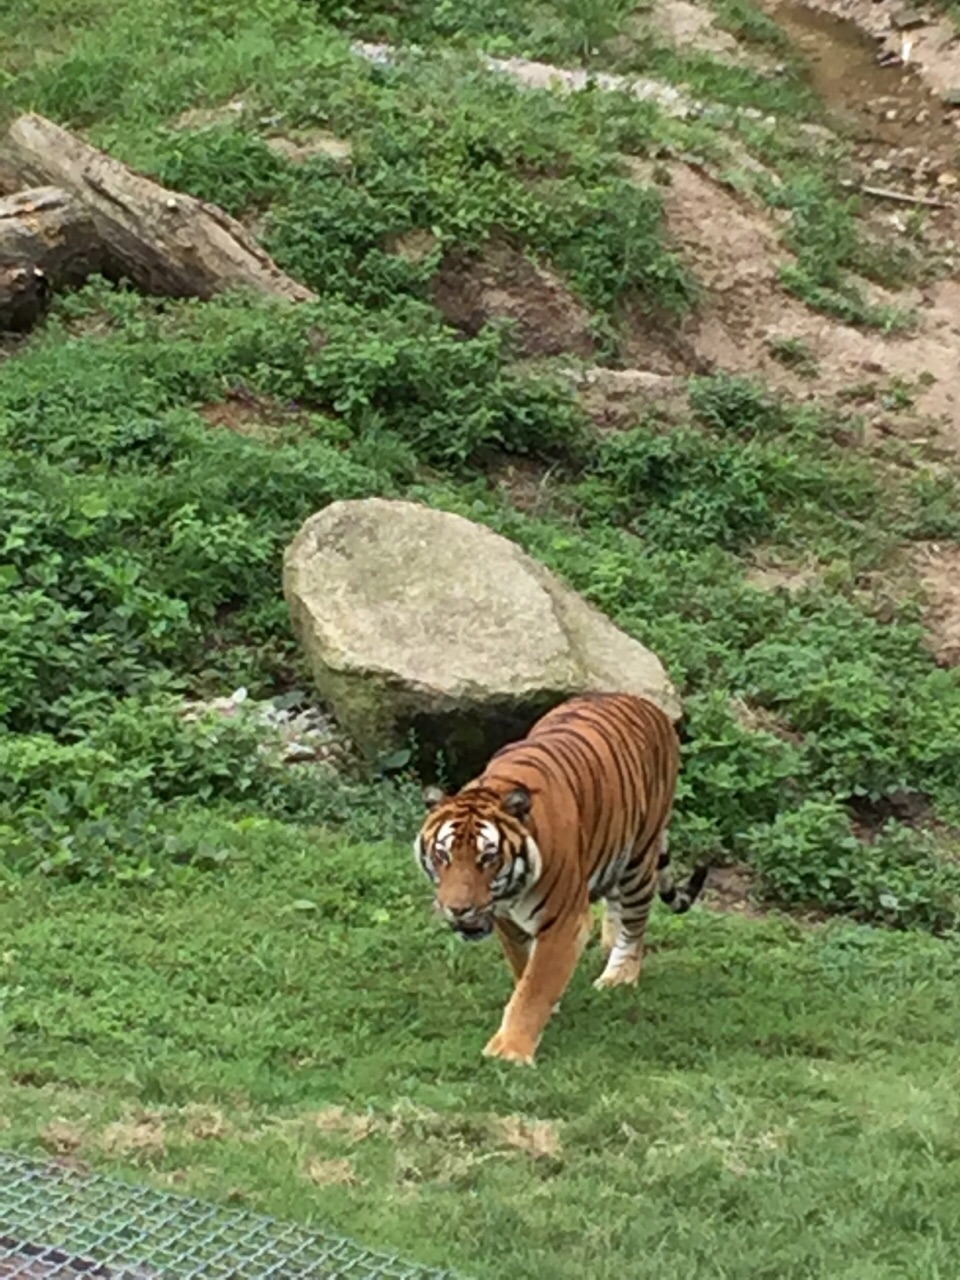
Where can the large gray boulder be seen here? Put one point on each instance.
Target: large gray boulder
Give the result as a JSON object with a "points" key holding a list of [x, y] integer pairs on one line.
{"points": [[415, 619]]}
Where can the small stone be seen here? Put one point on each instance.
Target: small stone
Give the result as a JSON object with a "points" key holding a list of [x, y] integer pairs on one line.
{"points": [[908, 19], [316, 143], [952, 98], [947, 180], [816, 132], [210, 117], [890, 115], [285, 701]]}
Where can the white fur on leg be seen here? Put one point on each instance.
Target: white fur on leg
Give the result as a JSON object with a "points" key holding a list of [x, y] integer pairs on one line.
{"points": [[611, 925], [623, 964]]}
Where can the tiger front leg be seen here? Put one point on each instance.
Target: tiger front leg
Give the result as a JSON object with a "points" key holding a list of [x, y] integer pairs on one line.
{"points": [[516, 946], [553, 958]]}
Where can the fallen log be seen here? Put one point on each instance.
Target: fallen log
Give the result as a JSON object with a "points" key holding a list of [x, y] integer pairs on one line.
{"points": [[47, 242], [163, 242], [24, 297], [9, 181], [49, 229]]}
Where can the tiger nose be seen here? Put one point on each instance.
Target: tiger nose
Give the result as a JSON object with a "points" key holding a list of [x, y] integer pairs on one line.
{"points": [[459, 913]]}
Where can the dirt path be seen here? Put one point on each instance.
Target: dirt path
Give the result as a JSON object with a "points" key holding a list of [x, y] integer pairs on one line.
{"points": [[905, 134], [907, 141], [930, 41]]}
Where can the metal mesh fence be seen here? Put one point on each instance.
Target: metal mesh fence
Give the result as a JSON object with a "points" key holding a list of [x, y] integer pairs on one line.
{"points": [[58, 1224]]}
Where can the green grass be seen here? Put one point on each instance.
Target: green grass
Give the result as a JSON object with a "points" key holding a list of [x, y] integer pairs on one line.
{"points": [[205, 953], [773, 1100]]}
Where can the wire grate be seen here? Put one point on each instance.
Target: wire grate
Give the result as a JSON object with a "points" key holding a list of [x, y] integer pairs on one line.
{"points": [[59, 1224]]}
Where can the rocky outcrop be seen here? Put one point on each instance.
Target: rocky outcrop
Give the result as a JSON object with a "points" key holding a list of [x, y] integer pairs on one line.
{"points": [[418, 620]]}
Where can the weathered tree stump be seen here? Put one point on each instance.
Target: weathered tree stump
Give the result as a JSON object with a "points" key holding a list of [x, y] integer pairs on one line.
{"points": [[123, 224]]}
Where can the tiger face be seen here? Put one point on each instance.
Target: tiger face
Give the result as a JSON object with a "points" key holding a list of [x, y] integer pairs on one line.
{"points": [[477, 851]]}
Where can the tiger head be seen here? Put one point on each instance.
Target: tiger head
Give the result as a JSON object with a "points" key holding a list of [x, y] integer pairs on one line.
{"points": [[478, 851]]}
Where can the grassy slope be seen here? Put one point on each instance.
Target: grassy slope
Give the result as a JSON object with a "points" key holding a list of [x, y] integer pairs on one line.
{"points": [[773, 1100]]}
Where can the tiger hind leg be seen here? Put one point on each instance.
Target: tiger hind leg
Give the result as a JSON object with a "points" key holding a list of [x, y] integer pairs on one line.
{"points": [[625, 924]]}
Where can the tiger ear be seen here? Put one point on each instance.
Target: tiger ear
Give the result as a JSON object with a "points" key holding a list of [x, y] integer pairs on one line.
{"points": [[432, 796], [517, 803]]}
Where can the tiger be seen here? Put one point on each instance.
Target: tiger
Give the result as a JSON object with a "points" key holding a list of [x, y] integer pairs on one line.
{"points": [[576, 811]]}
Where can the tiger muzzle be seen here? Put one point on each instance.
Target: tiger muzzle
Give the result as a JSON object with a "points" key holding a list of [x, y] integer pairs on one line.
{"points": [[472, 923]]}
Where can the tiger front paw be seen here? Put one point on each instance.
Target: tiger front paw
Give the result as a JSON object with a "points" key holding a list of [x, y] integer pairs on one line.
{"points": [[511, 1048]]}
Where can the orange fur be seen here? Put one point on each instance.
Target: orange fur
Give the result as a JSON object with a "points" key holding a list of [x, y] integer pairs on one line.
{"points": [[576, 811]]}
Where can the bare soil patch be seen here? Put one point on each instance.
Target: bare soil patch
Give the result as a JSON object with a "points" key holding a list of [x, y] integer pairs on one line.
{"points": [[937, 565], [688, 28], [929, 40], [527, 481], [504, 284], [327, 1173], [62, 1137], [211, 117], [731, 889], [617, 398], [537, 1138], [745, 314], [777, 577], [248, 414], [309, 143], [142, 1136], [886, 85], [871, 816], [352, 1125]]}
